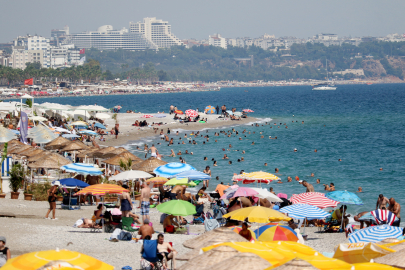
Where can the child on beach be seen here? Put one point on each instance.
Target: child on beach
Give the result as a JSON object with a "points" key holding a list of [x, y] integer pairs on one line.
{"points": [[4, 251]]}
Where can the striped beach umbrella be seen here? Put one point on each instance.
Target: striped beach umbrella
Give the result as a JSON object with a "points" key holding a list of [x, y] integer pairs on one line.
{"points": [[248, 110], [345, 197], [375, 234], [276, 233], [178, 112], [171, 169], [313, 198], [82, 168], [101, 190], [193, 175], [210, 109], [191, 113], [147, 116], [383, 216], [302, 211]]}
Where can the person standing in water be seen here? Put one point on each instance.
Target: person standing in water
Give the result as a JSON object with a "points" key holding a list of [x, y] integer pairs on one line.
{"points": [[206, 171]]}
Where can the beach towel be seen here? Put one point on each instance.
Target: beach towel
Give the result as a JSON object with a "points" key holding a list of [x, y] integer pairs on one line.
{"points": [[78, 223], [210, 224]]}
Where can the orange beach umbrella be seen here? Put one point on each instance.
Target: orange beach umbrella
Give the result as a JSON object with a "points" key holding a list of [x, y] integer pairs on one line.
{"points": [[101, 190]]}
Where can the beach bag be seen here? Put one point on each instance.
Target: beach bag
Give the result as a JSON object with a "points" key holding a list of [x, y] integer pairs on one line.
{"points": [[169, 229], [125, 236], [162, 218]]}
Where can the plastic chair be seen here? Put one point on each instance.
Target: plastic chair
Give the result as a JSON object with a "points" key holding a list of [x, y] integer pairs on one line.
{"points": [[127, 225]]}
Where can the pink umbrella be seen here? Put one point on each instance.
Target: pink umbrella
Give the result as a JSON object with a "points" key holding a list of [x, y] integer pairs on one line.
{"points": [[248, 110], [147, 116], [239, 192], [313, 198], [191, 113]]}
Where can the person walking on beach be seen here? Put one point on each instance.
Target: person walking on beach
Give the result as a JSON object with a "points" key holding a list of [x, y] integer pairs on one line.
{"points": [[145, 201], [126, 203], [4, 252], [52, 200], [171, 109], [382, 202], [116, 130], [217, 109], [395, 208], [223, 108]]}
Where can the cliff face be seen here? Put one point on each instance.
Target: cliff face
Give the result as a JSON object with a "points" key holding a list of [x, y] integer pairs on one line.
{"points": [[374, 68]]}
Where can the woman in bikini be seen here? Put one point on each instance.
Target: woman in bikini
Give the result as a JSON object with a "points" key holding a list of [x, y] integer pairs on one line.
{"points": [[52, 200]]}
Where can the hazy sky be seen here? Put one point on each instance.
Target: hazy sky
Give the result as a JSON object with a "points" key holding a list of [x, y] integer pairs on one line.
{"points": [[198, 19]]}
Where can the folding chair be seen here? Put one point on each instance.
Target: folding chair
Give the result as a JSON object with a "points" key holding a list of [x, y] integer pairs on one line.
{"points": [[149, 253], [127, 225]]}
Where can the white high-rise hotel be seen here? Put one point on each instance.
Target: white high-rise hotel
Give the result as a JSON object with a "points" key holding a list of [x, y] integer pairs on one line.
{"points": [[149, 34]]}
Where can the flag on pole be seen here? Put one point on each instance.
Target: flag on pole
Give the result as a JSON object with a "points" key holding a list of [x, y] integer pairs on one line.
{"points": [[23, 127], [82, 51], [29, 81]]}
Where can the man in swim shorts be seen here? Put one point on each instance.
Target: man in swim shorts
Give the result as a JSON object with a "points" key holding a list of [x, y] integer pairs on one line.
{"points": [[145, 203], [153, 151]]}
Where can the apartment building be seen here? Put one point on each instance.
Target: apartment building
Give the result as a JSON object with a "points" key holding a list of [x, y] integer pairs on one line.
{"points": [[217, 41]]}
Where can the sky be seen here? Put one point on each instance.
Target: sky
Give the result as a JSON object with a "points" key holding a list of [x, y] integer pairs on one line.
{"points": [[199, 19]]}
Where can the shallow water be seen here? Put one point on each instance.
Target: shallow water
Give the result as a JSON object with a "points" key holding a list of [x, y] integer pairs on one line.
{"points": [[364, 125]]}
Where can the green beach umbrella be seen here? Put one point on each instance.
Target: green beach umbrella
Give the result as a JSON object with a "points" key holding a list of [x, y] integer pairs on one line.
{"points": [[181, 182], [177, 208]]}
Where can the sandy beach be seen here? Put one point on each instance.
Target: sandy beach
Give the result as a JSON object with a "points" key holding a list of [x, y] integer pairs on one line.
{"points": [[29, 232], [132, 133]]}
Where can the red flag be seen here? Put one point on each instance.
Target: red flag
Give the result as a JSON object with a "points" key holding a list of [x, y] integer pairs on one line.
{"points": [[29, 81], [82, 51]]}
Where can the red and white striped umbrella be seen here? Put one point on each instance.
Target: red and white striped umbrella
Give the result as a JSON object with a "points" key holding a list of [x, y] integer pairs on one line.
{"points": [[248, 110], [147, 116], [313, 198], [191, 113]]}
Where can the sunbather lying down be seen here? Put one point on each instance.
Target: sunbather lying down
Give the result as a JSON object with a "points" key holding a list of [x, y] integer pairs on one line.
{"points": [[88, 223]]}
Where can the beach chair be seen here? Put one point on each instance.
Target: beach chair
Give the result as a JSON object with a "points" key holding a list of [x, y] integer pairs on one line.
{"points": [[127, 225], [150, 255]]}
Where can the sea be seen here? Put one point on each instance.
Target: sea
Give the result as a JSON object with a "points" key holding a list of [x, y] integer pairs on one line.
{"points": [[361, 125]]}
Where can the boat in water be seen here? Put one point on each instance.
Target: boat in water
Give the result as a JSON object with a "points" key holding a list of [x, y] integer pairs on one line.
{"points": [[327, 85]]}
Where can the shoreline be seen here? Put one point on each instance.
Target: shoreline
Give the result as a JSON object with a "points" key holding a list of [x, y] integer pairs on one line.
{"points": [[130, 133]]}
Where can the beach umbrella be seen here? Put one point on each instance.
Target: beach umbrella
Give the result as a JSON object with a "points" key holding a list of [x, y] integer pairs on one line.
{"points": [[73, 183], [49, 162], [178, 112], [93, 108], [193, 175], [383, 216], [101, 152], [74, 146], [191, 113], [130, 175], [172, 169], [55, 259], [32, 152], [157, 180], [275, 233], [221, 234], [160, 115], [16, 132], [99, 125], [102, 116], [265, 194], [375, 233], [296, 264], [70, 136], [210, 109], [180, 182], [79, 123], [259, 177], [88, 132], [344, 197], [257, 214], [59, 129], [360, 252], [57, 143], [37, 118], [395, 259], [244, 261], [101, 190], [177, 208], [124, 157], [148, 165], [45, 138], [118, 107], [313, 198], [211, 258], [304, 211], [373, 266], [239, 192], [248, 110], [81, 168], [147, 116]]}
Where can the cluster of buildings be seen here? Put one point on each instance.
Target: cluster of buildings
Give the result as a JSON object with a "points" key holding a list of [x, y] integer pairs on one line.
{"points": [[64, 49]]}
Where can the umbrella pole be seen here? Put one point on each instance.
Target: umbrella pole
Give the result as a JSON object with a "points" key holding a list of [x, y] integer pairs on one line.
{"points": [[70, 197], [305, 224]]}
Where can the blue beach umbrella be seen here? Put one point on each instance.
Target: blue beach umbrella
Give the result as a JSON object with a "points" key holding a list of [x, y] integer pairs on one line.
{"points": [[375, 234], [193, 175], [99, 125], [70, 136], [169, 170], [302, 211], [72, 183], [82, 168], [210, 109], [344, 197], [160, 115], [88, 132]]}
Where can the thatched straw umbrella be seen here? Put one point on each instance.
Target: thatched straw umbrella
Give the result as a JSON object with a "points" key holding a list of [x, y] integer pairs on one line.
{"points": [[397, 247], [31, 152], [296, 264], [125, 157], [39, 156], [243, 261], [221, 234], [100, 153], [388, 241], [115, 152], [58, 143], [14, 141], [210, 258], [49, 162], [193, 253], [74, 146], [18, 148], [395, 259], [148, 165]]}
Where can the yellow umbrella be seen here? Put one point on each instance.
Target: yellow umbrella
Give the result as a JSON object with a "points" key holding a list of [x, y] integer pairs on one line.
{"points": [[257, 214], [55, 259], [360, 252], [389, 245], [271, 255], [372, 266], [79, 123], [295, 247], [256, 176]]}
